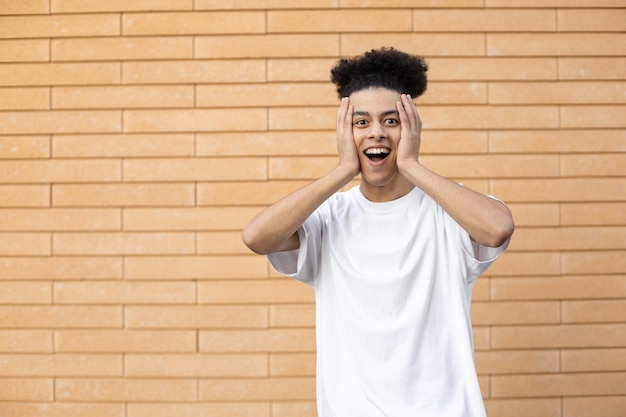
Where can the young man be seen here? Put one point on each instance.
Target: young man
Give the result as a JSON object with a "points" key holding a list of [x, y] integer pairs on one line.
{"points": [[393, 261]]}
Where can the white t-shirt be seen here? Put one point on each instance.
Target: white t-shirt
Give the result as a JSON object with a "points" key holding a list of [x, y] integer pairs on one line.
{"points": [[393, 284]]}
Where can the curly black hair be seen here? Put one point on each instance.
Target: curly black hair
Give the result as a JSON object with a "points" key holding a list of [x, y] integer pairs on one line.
{"points": [[385, 67]]}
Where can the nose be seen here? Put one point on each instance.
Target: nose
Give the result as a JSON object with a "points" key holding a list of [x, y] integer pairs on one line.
{"points": [[377, 131]]}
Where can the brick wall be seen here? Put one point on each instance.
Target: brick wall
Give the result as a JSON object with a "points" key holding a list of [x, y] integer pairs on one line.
{"points": [[138, 137]]}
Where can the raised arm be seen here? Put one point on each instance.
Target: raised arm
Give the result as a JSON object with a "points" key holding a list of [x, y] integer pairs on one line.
{"points": [[488, 221], [274, 229]]}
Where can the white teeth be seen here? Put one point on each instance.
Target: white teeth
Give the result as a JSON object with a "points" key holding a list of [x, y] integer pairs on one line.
{"points": [[377, 151]]}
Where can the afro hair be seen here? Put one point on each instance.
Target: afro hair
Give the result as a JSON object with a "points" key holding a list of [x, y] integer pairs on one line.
{"points": [[381, 68]]}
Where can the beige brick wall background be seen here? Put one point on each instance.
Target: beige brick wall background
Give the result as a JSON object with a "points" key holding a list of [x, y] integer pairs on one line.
{"points": [[138, 137]]}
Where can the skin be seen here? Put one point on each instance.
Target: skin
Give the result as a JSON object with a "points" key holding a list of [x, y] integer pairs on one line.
{"points": [[379, 118]]}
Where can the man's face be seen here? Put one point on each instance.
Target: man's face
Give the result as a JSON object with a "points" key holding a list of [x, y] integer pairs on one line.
{"points": [[376, 130]]}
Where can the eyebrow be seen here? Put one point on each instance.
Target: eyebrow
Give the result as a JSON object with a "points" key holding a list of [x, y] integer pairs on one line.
{"points": [[365, 113]]}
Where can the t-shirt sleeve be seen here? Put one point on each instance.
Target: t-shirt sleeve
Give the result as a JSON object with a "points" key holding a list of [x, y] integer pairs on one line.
{"points": [[479, 257], [302, 263]]}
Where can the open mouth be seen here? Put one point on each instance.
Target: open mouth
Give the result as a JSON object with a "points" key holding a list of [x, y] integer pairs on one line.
{"points": [[377, 154]]}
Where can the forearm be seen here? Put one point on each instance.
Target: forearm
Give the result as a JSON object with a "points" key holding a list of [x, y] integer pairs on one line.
{"points": [[488, 221], [274, 229]]}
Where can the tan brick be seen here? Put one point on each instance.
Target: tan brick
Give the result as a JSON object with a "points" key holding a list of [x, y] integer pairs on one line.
{"points": [[591, 406], [581, 214], [412, 3], [117, 389], [489, 166], [526, 312], [121, 48], [527, 264], [299, 408], [292, 364], [59, 26], [26, 341], [122, 97], [266, 143], [447, 93], [257, 291], [269, 4], [559, 189], [300, 168], [555, 288], [22, 147], [258, 193], [292, 315], [535, 214], [124, 292], [30, 171], [73, 6], [611, 165], [60, 219], [517, 362], [24, 196], [569, 238], [593, 116], [60, 122], [26, 389], [569, 385], [126, 195], [45, 74], [268, 340], [124, 341], [196, 71], [600, 311], [555, 44], [193, 23], [59, 365], [257, 389], [62, 410], [589, 360], [195, 219], [30, 98], [122, 145], [213, 409], [491, 69], [555, 336], [266, 46], [195, 169], [124, 243], [48, 268], [551, 3], [523, 407], [596, 140], [24, 50], [220, 243], [484, 20], [270, 94], [482, 337], [38, 317], [25, 244], [206, 120], [25, 293], [299, 69], [430, 44], [596, 262], [197, 366], [25, 7], [194, 317], [562, 92], [324, 21], [594, 20], [602, 68]]}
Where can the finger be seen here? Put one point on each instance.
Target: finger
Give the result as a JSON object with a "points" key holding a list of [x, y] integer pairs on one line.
{"points": [[411, 111]]}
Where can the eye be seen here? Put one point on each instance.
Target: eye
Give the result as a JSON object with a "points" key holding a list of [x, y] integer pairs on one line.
{"points": [[391, 121], [360, 122]]}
